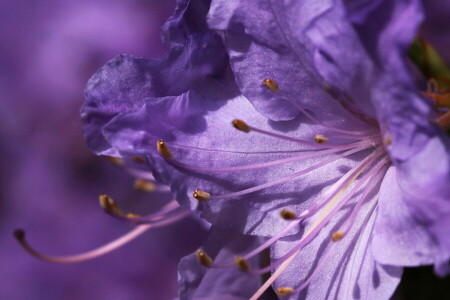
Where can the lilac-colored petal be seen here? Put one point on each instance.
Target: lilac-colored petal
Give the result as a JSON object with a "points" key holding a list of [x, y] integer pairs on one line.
{"points": [[350, 270], [201, 283], [399, 239], [265, 40], [124, 83], [343, 61]]}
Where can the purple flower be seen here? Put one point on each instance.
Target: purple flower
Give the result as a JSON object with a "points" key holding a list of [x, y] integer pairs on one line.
{"points": [[336, 161]]}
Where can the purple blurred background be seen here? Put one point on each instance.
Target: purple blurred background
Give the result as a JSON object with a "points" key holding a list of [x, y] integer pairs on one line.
{"points": [[49, 181]]}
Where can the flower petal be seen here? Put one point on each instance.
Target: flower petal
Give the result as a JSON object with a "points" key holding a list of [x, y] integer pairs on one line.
{"points": [[123, 84], [265, 40]]}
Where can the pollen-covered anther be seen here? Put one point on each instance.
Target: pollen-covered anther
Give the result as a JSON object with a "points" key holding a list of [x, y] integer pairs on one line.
{"points": [[387, 140], [288, 214], [201, 195], [241, 125], [162, 148], [337, 236], [19, 234], [203, 258], [320, 139], [271, 85], [144, 185], [242, 264], [284, 291], [115, 160], [109, 205], [138, 159]]}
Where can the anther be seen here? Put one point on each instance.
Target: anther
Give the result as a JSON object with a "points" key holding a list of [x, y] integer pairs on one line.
{"points": [[144, 185], [115, 160], [288, 214], [138, 159], [203, 258], [19, 234], [241, 125], [283, 291], [271, 85], [201, 195], [109, 205], [387, 140], [163, 149], [242, 263], [320, 139], [337, 236]]}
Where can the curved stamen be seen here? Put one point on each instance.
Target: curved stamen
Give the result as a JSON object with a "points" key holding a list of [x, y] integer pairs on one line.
{"points": [[286, 178], [170, 210], [274, 88], [274, 163], [318, 139], [111, 246]]}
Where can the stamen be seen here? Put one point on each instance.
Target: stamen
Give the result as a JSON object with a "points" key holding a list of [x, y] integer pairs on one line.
{"points": [[337, 236], [203, 258], [387, 140], [163, 149], [20, 236], [144, 185], [288, 214], [115, 160], [320, 139], [242, 264], [138, 159], [110, 206], [359, 146], [241, 125], [271, 85], [284, 179], [284, 291], [201, 195]]}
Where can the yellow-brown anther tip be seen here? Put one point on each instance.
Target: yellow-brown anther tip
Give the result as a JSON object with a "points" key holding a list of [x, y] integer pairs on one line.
{"points": [[387, 140], [201, 195], [115, 160], [283, 291], [105, 201], [242, 263], [337, 236], [320, 139], [144, 185], [19, 234], [288, 214], [241, 125], [163, 149], [271, 85], [138, 159], [131, 215], [203, 258]]}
